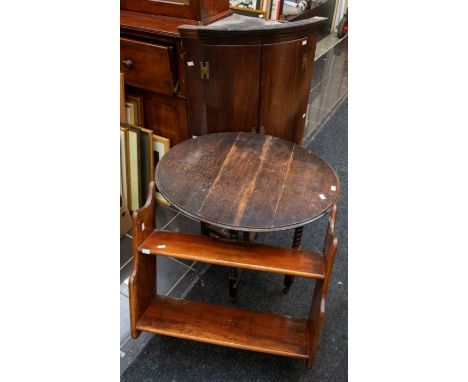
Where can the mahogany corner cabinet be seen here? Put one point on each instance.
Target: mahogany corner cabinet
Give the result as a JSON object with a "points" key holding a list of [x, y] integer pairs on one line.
{"points": [[195, 64]]}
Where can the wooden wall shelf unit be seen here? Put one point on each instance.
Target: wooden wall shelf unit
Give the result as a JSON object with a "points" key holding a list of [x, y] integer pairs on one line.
{"points": [[199, 67], [217, 324], [250, 75]]}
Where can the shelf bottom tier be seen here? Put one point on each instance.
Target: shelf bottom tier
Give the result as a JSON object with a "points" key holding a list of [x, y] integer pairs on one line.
{"points": [[226, 326]]}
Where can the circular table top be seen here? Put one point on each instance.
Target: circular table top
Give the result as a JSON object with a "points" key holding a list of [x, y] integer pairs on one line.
{"points": [[247, 182]]}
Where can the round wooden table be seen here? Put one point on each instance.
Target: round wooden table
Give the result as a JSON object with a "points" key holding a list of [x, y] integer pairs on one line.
{"points": [[247, 182]]}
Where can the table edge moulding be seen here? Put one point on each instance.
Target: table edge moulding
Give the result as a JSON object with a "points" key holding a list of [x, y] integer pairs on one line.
{"points": [[178, 172]]}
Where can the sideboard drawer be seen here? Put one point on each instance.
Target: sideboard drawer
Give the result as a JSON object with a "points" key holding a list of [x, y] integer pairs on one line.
{"points": [[148, 66]]}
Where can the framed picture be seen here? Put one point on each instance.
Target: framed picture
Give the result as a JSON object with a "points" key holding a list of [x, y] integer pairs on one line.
{"points": [[124, 181], [146, 160], [122, 98], [276, 9], [137, 108], [130, 113], [248, 6], [134, 194], [268, 9], [161, 146]]}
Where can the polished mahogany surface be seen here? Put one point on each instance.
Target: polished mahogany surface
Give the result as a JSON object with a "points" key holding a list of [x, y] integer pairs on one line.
{"points": [[245, 255], [227, 326], [247, 182]]}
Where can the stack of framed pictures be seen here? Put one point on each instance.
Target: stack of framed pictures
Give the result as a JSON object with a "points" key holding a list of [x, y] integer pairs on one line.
{"points": [[269, 9], [140, 151], [160, 147], [253, 8], [122, 98], [134, 110], [275, 9]]}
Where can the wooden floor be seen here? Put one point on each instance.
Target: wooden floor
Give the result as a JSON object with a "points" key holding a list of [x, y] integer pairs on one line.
{"points": [[244, 255], [222, 325]]}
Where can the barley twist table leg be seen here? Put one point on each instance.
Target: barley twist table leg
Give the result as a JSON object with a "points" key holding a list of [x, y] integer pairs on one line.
{"points": [[234, 273], [297, 242]]}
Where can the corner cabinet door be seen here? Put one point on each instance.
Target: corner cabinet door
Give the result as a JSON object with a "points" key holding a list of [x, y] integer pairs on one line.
{"points": [[232, 91], [228, 80], [285, 86]]}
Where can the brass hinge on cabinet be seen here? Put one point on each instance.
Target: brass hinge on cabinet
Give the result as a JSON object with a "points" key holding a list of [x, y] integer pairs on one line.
{"points": [[305, 60], [205, 70], [260, 131]]}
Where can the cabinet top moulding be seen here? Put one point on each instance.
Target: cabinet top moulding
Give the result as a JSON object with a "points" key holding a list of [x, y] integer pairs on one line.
{"points": [[238, 28], [152, 24], [202, 11]]}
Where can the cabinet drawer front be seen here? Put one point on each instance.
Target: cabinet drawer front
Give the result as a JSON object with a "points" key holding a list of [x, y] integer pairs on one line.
{"points": [[147, 66]]}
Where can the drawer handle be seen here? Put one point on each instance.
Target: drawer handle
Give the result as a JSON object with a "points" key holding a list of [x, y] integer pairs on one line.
{"points": [[127, 64]]}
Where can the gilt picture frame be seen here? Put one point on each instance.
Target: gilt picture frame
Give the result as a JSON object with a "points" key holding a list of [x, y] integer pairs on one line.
{"points": [[248, 6], [161, 146], [137, 102]]}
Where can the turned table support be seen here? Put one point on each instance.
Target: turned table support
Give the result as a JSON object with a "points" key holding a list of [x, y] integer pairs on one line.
{"points": [[297, 243], [234, 273]]}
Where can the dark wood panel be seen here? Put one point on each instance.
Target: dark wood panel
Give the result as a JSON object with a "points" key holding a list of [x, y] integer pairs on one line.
{"points": [[228, 99], [148, 66], [166, 116], [256, 182], [310, 181], [232, 196], [284, 88], [268, 184], [232, 97], [203, 166], [222, 325], [195, 87], [235, 254]]}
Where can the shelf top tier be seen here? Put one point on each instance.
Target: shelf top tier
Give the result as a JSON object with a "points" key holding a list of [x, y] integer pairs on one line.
{"points": [[235, 254]]}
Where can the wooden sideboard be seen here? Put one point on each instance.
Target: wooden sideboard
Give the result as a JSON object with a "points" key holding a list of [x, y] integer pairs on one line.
{"points": [[199, 69]]}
